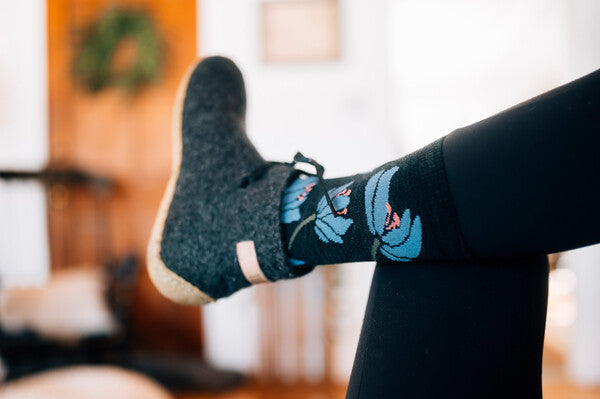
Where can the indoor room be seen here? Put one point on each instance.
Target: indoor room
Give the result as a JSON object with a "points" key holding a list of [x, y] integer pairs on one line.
{"points": [[246, 199]]}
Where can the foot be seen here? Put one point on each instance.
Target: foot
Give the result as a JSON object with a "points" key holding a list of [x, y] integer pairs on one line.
{"points": [[217, 231]]}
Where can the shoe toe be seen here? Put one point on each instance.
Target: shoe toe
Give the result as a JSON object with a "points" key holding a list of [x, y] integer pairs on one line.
{"points": [[216, 86]]}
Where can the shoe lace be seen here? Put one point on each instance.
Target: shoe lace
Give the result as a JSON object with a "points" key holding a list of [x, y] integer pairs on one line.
{"points": [[260, 171]]}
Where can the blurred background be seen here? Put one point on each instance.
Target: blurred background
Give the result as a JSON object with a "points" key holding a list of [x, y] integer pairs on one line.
{"points": [[86, 89]]}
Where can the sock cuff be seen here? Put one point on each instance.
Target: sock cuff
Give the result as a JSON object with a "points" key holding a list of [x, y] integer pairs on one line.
{"points": [[429, 175]]}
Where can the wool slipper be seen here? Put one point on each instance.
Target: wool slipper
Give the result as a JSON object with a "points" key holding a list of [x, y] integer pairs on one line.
{"points": [[218, 226]]}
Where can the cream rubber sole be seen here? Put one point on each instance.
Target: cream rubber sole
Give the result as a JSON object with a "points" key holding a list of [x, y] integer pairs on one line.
{"points": [[166, 281]]}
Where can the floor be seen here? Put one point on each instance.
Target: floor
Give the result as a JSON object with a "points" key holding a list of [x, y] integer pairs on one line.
{"points": [[557, 386], [552, 390], [257, 391], [567, 391]]}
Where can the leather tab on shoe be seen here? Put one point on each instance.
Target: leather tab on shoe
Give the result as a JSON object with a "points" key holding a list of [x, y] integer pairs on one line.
{"points": [[246, 254]]}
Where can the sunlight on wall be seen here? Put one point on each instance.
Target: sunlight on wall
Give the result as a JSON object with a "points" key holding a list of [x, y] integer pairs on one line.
{"points": [[456, 62]]}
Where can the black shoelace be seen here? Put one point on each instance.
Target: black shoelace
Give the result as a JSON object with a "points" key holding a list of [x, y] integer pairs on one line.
{"points": [[260, 171]]}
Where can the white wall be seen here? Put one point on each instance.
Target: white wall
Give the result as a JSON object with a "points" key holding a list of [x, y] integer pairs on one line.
{"points": [[24, 247], [23, 89], [583, 359], [584, 37], [457, 62], [335, 112], [24, 253]]}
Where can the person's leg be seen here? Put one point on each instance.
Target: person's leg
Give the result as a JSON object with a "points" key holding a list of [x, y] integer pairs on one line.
{"points": [[522, 182], [526, 181], [453, 330], [402, 211], [230, 219]]}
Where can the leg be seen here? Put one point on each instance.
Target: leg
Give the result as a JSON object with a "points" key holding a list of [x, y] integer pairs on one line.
{"points": [[525, 181], [519, 183], [453, 330], [230, 219]]}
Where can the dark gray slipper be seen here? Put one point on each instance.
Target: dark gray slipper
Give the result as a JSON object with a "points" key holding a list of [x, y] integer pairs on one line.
{"points": [[217, 231]]}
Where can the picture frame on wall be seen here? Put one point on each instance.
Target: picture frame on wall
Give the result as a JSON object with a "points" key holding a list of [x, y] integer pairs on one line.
{"points": [[300, 31]]}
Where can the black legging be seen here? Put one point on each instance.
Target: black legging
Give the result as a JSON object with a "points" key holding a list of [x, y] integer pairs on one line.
{"points": [[525, 183]]}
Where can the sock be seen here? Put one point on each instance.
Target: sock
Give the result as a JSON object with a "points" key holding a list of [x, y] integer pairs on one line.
{"points": [[402, 211]]}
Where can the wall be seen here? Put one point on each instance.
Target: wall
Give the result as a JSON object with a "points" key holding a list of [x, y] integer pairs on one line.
{"points": [[24, 257], [331, 111], [23, 95], [457, 62], [583, 358]]}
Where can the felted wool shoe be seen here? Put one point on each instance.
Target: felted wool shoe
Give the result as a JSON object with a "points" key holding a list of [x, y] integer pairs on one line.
{"points": [[217, 230]]}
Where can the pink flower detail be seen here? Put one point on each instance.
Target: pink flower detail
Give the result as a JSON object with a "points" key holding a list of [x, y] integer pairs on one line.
{"points": [[393, 220]]}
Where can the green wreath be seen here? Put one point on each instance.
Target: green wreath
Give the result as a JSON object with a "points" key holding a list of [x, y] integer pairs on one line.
{"points": [[92, 66]]}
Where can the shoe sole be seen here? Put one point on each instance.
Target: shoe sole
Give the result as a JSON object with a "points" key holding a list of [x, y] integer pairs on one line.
{"points": [[165, 280]]}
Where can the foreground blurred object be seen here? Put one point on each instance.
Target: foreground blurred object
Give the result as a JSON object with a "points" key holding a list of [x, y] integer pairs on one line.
{"points": [[84, 383], [84, 316], [69, 307], [69, 321]]}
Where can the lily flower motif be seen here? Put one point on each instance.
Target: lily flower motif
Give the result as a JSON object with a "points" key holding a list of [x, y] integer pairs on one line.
{"points": [[397, 238], [329, 227], [294, 195]]}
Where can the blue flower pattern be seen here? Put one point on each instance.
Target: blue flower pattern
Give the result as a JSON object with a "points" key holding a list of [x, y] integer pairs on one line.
{"points": [[296, 262], [397, 238], [330, 227], [294, 195]]}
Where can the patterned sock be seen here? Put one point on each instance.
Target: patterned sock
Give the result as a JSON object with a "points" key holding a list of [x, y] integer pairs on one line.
{"points": [[402, 211]]}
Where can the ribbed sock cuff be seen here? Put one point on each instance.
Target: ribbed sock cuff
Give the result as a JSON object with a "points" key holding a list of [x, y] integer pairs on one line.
{"points": [[428, 178]]}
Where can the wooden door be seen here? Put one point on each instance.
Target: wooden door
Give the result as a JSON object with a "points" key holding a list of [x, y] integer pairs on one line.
{"points": [[125, 137]]}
